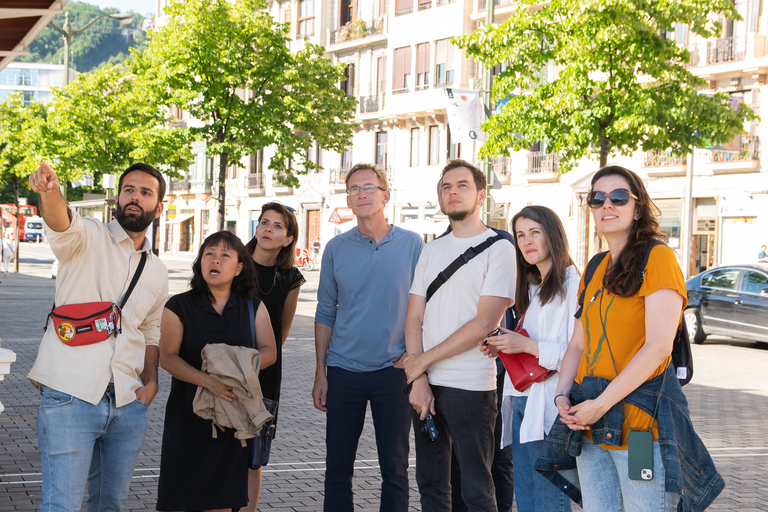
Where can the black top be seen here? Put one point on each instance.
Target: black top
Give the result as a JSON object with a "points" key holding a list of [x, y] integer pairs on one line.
{"points": [[274, 286], [198, 472]]}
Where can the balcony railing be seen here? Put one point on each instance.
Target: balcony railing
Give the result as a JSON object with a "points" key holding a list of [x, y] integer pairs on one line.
{"points": [[179, 185], [339, 176], [542, 162], [369, 104], [502, 167], [747, 148], [255, 181], [404, 90], [662, 159], [498, 3], [275, 180], [357, 29], [726, 49]]}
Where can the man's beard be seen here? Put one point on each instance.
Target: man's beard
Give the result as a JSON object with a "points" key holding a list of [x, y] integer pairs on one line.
{"points": [[461, 214], [131, 222]]}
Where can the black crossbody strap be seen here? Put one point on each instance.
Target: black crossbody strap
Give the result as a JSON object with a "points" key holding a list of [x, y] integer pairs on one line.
{"points": [[252, 317], [135, 279], [459, 262]]}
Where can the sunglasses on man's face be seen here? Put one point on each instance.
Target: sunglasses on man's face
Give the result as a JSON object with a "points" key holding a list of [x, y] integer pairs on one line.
{"points": [[618, 197]]}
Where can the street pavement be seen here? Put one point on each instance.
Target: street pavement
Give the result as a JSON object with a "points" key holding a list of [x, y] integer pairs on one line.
{"points": [[728, 398]]}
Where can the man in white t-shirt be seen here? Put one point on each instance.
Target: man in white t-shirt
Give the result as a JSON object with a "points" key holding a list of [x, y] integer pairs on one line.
{"points": [[451, 379]]}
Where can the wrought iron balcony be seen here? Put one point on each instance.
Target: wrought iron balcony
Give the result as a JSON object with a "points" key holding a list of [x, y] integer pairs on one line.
{"points": [[662, 159], [543, 162], [255, 181], [726, 49], [357, 29]]}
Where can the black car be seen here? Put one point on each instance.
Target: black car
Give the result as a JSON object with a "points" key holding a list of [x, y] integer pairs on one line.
{"points": [[731, 300]]}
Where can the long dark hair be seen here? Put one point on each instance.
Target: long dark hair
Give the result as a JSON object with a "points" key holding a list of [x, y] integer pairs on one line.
{"points": [[527, 274], [244, 283], [623, 277], [286, 258]]}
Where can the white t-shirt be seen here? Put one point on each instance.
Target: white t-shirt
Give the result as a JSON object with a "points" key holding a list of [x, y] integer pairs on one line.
{"points": [[491, 273]]}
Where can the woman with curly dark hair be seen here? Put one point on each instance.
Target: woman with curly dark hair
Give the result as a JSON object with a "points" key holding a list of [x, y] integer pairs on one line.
{"points": [[618, 361], [198, 471]]}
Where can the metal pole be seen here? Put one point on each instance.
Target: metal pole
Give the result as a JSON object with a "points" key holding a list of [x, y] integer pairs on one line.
{"points": [[487, 84], [687, 234]]}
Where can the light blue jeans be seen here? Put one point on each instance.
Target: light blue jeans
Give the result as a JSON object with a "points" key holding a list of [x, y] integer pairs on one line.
{"points": [[533, 492], [80, 442], [606, 487]]}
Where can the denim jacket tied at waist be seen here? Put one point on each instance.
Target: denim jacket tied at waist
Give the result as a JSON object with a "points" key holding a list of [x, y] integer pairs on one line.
{"points": [[689, 470]]}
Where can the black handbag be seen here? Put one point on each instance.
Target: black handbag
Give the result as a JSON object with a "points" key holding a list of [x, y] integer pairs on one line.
{"points": [[261, 444]]}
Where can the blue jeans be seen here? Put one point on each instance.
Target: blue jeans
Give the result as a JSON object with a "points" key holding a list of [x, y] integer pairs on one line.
{"points": [[606, 487], [534, 492], [465, 421], [80, 442], [348, 396]]}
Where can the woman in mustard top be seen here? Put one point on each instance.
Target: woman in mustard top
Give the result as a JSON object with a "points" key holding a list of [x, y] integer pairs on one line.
{"points": [[625, 335]]}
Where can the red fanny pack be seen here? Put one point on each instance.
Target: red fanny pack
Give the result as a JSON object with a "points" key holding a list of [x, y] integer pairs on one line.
{"points": [[85, 324], [91, 322]]}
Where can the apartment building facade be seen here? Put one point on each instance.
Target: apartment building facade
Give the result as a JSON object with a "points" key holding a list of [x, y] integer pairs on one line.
{"points": [[399, 61]]}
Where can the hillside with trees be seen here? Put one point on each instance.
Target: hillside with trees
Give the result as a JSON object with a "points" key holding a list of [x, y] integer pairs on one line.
{"points": [[106, 42]]}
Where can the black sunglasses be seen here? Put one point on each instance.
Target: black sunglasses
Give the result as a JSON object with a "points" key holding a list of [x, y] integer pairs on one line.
{"points": [[274, 203], [618, 197]]}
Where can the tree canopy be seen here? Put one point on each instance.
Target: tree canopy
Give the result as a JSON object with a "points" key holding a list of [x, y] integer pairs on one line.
{"points": [[105, 121], [229, 64], [621, 83], [107, 41]]}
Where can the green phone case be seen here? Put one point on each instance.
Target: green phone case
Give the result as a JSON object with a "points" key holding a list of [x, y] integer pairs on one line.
{"points": [[640, 455]]}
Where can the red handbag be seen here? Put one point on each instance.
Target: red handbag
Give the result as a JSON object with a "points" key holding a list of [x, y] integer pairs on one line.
{"points": [[524, 368]]}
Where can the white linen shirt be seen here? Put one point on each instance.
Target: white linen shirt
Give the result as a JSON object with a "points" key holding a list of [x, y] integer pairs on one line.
{"points": [[97, 263], [552, 326]]}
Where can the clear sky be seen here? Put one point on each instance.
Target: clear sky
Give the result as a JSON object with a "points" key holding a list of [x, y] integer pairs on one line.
{"points": [[145, 7]]}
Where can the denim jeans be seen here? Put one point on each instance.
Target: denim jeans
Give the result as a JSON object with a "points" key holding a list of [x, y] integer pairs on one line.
{"points": [[534, 492], [606, 487], [464, 420], [80, 442], [348, 396]]}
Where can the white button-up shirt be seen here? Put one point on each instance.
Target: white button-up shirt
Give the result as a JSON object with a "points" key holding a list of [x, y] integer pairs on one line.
{"points": [[97, 263]]}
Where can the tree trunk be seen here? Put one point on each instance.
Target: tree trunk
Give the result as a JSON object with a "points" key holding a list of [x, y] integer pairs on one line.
{"points": [[605, 147], [223, 157], [16, 202]]}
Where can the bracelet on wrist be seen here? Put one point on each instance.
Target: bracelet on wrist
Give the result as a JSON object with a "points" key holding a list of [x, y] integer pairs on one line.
{"points": [[558, 396]]}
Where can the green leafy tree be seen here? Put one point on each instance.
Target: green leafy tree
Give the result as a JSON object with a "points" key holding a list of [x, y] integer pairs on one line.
{"points": [[19, 128], [228, 63], [622, 84], [105, 121], [107, 41]]}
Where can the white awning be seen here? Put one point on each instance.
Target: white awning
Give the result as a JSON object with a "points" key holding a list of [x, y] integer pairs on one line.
{"points": [[181, 218]]}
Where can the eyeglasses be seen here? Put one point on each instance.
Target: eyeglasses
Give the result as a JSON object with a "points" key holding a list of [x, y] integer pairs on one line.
{"points": [[266, 206], [353, 191], [618, 197]]}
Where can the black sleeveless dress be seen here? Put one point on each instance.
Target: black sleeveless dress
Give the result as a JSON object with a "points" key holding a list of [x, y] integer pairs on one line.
{"points": [[198, 472]]}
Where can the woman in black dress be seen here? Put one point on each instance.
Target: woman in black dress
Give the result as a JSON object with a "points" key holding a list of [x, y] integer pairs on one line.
{"points": [[197, 471], [273, 250]]}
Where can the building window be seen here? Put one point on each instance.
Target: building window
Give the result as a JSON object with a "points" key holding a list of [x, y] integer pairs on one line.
{"points": [[287, 16], [422, 66], [346, 11], [315, 155], [306, 26], [381, 75], [444, 62], [425, 4], [414, 147], [380, 157], [348, 84], [403, 7], [402, 79], [345, 159], [435, 138], [382, 7]]}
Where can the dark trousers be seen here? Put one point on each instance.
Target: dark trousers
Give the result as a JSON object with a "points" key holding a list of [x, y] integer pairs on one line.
{"points": [[348, 396], [465, 420], [501, 469]]}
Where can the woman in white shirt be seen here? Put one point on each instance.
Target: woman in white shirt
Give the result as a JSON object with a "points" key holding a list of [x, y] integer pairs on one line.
{"points": [[547, 287]]}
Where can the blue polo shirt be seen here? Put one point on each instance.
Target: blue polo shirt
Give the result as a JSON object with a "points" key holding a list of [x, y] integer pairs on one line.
{"points": [[363, 296]]}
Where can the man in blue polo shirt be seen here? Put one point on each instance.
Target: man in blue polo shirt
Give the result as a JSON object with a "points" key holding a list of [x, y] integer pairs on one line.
{"points": [[362, 297]]}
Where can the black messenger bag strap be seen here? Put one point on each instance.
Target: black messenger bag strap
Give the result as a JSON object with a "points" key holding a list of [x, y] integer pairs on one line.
{"points": [[135, 279], [459, 262]]}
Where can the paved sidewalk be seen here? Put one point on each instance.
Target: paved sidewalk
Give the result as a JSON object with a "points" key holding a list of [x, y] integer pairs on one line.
{"points": [[728, 399]]}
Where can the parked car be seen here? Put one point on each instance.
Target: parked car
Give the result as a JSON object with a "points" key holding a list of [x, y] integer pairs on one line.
{"points": [[730, 300]]}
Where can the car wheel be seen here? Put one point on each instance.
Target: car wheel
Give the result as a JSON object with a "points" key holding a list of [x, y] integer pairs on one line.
{"points": [[693, 321]]}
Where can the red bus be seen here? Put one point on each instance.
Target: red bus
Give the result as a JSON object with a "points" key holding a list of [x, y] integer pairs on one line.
{"points": [[9, 217]]}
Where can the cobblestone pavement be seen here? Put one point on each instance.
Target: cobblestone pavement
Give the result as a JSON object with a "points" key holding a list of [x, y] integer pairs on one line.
{"points": [[727, 397]]}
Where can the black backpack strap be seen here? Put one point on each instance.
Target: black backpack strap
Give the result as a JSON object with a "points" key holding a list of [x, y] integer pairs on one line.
{"points": [[135, 279], [459, 262], [588, 273], [252, 317]]}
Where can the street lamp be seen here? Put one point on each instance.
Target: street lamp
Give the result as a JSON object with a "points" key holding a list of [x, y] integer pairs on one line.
{"points": [[68, 32]]}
